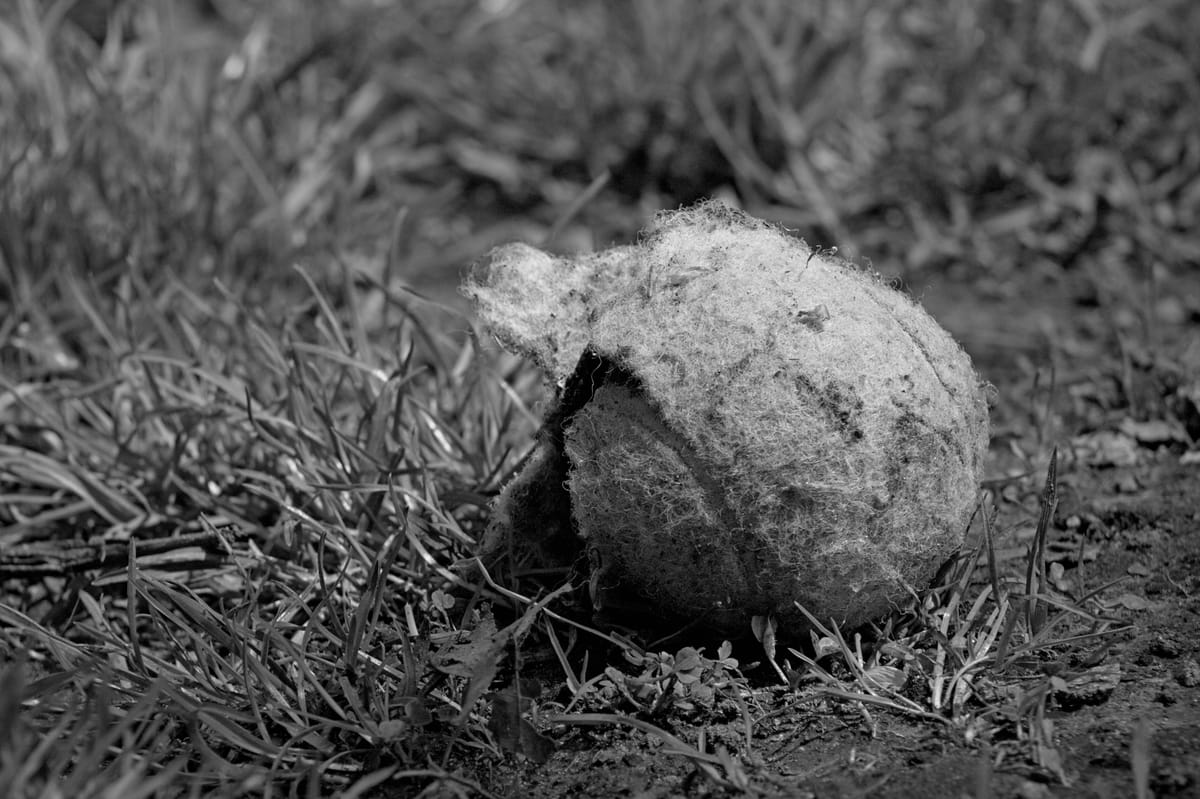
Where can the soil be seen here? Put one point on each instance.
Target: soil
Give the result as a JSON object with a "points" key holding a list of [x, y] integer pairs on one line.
{"points": [[1080, 359]]}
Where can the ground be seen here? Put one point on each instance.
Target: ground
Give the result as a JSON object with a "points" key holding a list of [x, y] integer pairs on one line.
{"points": [[1138, 522]]}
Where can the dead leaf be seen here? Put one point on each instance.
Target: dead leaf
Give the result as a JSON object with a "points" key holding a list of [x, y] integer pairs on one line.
{"points": [[885, 678], [1092, 687], [465, 658], [1132, 601], [1154, 431], [1105, 448], [513, 732]]}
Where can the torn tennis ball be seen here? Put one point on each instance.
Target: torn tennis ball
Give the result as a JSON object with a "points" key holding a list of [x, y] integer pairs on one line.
{"points": [[743, 423]]}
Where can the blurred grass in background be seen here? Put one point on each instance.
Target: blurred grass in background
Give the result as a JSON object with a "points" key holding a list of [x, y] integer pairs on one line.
{"points": [[986, 135], [221, 224]]}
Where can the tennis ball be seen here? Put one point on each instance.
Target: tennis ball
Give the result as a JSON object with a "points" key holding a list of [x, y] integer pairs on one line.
{"points": [[744, 423]]}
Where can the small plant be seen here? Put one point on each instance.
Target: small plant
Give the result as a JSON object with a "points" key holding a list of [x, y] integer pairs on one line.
{"points": [[685, 682], [673, 688]]}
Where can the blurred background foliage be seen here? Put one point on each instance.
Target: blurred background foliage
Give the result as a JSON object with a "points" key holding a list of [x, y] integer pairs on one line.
{"points": [[408, 138]]}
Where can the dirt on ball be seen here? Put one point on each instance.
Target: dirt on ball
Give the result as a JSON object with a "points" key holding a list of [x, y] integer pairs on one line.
{"points": [[744, 423]]}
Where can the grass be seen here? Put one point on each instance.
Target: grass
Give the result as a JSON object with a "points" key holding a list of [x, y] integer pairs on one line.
{"points": [[972, 655], [247, 439]]}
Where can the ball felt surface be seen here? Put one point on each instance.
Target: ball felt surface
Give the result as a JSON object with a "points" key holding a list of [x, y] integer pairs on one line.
{"points": [[785, 427]]}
